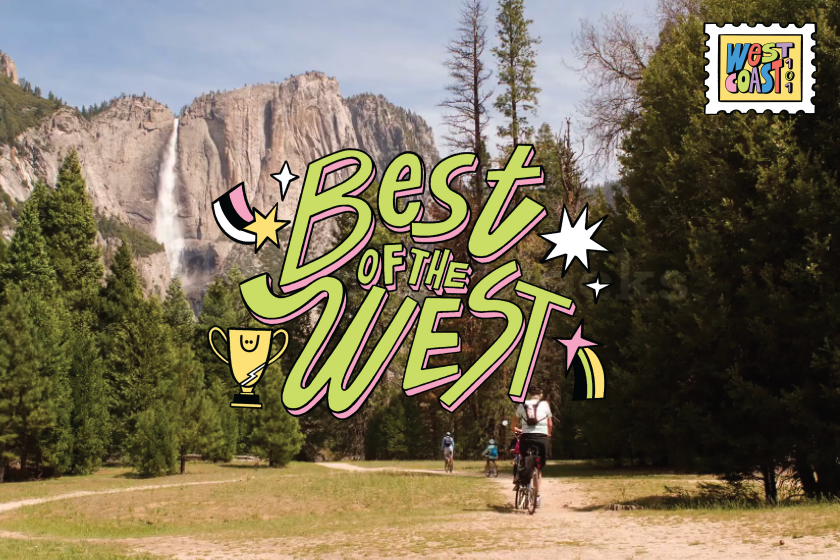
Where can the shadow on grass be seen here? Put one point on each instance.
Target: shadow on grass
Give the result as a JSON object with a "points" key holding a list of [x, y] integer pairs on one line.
{"points": [[507, 508], [131, 475], [591, 469]]}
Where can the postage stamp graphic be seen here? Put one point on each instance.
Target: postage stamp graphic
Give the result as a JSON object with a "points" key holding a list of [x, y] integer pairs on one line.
{"points": [[760, 68]]}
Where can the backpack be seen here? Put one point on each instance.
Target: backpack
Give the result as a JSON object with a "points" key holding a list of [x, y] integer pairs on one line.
{"points": [[527, 468], [447, 441], [531, 414], [494, 452]]}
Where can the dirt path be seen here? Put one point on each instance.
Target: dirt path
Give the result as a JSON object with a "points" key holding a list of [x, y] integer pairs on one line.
{"points": [[356, 468], [8, 506], [565, 527]]}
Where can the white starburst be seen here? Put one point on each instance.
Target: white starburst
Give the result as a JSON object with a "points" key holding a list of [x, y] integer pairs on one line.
{"points": [[596, 286], [284, 178], [574, 240]]}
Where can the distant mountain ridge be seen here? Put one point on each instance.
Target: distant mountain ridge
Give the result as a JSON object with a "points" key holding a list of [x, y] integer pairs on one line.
{"points": [[224, 138]]}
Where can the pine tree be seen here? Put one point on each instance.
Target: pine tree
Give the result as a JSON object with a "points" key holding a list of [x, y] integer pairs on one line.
{"points": [[277, 434], [135, 342], [52, 442], [220, 308], [69, 228], [516, 58], [34, 398], [468, 91], [122, 291], [198, 425], [90, 419], [46, 435], [27, 263], [177, 312], [226, 445], [153, 446], [19, 355]]}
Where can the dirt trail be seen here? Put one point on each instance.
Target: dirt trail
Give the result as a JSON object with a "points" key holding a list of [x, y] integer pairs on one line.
{"points": [[8, 506], [356, 468], [566, 526]]}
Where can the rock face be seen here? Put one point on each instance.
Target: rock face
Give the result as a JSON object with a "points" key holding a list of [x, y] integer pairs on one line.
{"points": [[247, 134], [119, 149], [120, 152], [225, 138], [384, 131], [7, 68]]}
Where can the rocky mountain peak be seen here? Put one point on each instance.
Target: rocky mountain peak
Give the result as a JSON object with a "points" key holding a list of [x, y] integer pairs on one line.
{"points": [[388, 130], [8, 68], [223, 138]]}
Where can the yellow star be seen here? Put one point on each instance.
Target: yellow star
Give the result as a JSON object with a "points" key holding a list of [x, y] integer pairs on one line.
{"points": [[266, 227]]}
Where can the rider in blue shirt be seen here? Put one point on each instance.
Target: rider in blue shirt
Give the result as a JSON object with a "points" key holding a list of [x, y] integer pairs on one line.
{"points": [[491, 452], [447, 445]]}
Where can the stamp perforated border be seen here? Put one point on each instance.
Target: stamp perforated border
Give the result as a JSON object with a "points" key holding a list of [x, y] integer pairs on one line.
{"points": [[715, 105]]}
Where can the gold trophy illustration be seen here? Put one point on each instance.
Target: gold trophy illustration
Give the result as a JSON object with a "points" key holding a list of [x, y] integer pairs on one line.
{"points": [[248, 350]]}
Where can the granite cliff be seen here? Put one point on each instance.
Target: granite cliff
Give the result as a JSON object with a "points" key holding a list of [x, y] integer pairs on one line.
{"points": [[225, 138], [8, 68]]}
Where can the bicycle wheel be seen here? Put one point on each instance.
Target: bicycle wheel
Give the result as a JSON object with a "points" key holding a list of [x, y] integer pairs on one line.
{"points": [[520, 496], [532, 499], [488, 470], [495, 470]]}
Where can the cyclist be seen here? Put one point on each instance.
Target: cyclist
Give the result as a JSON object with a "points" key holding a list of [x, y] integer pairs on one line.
{"points": [[491, 453], [535, 421], [514, 450], [447, 445]]}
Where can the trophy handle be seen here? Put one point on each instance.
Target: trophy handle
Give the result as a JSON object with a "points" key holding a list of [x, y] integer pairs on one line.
{"points": [[280, 353], [221, 332]]}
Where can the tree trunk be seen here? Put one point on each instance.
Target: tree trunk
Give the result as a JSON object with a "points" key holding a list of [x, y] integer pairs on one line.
{"points": [[183, 463], [23, 460], [3, 470], [771, 493], [806, 476], [479, 178]]}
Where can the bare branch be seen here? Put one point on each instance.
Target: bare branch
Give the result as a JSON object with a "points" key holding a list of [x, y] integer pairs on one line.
{"points": [[614, 56], [468, 92]]}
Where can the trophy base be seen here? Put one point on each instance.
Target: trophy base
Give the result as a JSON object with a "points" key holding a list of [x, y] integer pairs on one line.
{"points": [[246, 400]]}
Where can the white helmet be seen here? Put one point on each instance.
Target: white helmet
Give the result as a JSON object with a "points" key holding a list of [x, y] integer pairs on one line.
{"points": [[492, 442]]}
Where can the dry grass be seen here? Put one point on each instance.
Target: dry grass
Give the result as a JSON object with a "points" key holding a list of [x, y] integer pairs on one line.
{"points": [[18, 549], [110, 478], [647, 488], [460, 466], [297, 501]]}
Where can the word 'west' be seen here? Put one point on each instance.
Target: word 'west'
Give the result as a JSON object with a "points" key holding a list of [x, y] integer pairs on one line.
{"points": [[303, 285]]}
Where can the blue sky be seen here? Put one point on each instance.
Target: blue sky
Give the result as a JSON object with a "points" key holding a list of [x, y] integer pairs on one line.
{"points": [[91, 50]]}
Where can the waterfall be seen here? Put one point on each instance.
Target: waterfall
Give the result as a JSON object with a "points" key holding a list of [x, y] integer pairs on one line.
{"points": [[167, 228]]}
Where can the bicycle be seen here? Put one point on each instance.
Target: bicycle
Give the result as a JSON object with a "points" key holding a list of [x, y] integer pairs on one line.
{"points": [[490, 469], [526, 494], [449, 464]]}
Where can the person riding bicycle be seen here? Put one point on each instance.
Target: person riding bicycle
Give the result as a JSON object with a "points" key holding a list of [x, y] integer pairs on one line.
{"points": [[514, 450], [447, 445], [491, 453], [535, 422]]}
